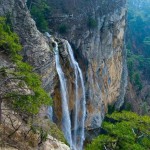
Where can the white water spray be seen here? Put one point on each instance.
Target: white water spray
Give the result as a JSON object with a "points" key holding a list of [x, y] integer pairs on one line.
{"points": [[76, 138], [50, 113], [80, 103], [66, 123]]}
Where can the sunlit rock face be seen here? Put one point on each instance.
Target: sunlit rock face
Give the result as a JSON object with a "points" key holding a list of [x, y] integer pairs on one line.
{"points": [[99, 51]]}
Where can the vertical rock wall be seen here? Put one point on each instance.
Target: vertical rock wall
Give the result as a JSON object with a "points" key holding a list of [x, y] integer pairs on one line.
{"points": [[99, 50]]}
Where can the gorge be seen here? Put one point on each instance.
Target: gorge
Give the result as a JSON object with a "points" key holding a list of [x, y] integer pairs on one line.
{"points": [[81, 63]]}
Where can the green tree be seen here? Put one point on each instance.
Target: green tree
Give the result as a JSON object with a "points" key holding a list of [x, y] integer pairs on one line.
{"points": [[21, 75], [40, 12], [137, 80], [136, 61], [123, 131], [63, 29], [92, 23]]}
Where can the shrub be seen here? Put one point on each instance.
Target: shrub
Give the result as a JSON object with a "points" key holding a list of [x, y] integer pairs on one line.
{"points": [[92, 23], [62, 29], [40, 11], [137, 80]]}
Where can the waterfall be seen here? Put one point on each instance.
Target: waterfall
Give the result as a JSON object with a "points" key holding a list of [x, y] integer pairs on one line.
{"points": [[75, 137], [50, 113], [66, 122], [79, 119]]}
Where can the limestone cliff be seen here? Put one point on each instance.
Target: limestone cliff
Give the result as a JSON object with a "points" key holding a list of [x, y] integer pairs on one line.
{"points": [[99, 51]]}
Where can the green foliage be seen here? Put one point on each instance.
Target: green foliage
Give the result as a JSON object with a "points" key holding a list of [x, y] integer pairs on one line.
{"points": [[147, 41], [138, 29], [145, 107], [123, 131], [134, 62], [39, 11], [138, 62], [43, 135], [92, 23], [138, 42], [56, 133], [46, 127], [9, 43], [137, 81], [111, 109], [127, 106], [63, 29]]}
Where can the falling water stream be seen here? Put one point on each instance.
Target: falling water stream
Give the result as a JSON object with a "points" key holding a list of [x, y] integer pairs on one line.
{"points": [[66, 122], [74, 135], [79, 119]]}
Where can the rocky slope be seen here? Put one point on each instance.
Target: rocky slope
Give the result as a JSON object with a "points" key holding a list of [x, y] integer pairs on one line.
{"points": [[15, 134], [99, 51]]}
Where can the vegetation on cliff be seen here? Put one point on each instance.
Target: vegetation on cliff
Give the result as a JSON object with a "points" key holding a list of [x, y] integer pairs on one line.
{"points": [[9, 44], [40, 12], [92, 23], [22, 93], [123, 130]]}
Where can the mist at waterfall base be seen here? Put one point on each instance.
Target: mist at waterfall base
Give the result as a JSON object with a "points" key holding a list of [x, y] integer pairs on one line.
{"points": [[73, 131]]}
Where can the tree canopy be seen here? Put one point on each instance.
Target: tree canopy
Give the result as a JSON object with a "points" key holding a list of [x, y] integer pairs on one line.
{"points": [[123, 131]]}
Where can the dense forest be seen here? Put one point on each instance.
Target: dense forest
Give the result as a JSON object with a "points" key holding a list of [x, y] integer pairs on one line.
{"points": [[138, 53]]}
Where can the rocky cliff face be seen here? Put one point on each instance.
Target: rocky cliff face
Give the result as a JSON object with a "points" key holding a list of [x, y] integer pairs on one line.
{"points": [[36, 49], [99, 50]]}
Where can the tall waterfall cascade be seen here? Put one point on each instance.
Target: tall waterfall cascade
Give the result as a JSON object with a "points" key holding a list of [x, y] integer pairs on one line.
{"points": [[66, 122], [78, 135], [73, 131]]}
